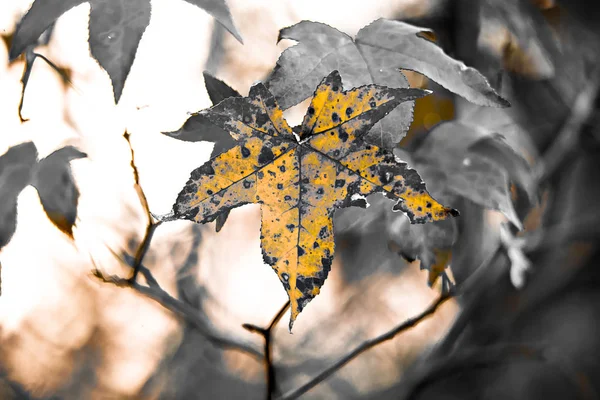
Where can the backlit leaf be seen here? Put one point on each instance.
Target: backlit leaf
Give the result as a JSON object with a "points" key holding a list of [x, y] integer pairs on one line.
{"points": [[116, 28], [16, 168], [56, 187], [301, 177]]}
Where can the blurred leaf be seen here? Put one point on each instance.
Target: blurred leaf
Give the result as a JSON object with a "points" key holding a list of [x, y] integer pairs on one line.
{"points": [[429, 243], [16, 168], [376, 55], [516, 31], [115, 30], [56, 187], [495, 148], [300, 179], [465, 173]]}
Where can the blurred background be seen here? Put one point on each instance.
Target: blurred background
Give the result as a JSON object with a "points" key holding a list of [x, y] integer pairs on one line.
{"points": [[528, 328]]}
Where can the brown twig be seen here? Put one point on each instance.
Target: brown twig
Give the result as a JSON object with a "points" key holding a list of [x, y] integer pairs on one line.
{"points": [[150, 225], [409, 323], [267, 334], [181, 309]]}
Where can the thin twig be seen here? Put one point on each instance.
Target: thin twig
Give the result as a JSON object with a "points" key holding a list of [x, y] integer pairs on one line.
{"points": [[409, 323], [267, 334], [150, 225], [181, 309]]}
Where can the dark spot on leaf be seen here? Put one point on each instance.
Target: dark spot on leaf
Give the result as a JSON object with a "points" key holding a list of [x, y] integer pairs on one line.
{"points": [[320, 191], [311, 111], [287, 198], [245, 152], [261, 119], [291, 227], [260, 174], [280, 186], [335, 88], [247, 184], [300, 251], [206, 169], [343, 135], [340, 183], [323, 232], [209, 192], [349, 111], [266, 155], [315, 245], [428, 205], [282, 168], [335, 117], [273, 174]]}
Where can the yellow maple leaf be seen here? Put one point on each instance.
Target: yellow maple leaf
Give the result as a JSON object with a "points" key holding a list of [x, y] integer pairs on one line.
{"points": [[300, 179]]}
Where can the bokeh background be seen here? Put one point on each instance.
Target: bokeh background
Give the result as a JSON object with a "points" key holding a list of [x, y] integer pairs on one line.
{"points": [[66, 335]]}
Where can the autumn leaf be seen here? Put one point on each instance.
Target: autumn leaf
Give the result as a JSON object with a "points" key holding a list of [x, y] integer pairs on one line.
{"points": [[430, 243], [198, 128], [300, 177], [116, 28], [375, 55]]}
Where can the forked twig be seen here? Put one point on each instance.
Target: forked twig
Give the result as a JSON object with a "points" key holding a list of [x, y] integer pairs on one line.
{"points": [[267, 334], [181, 309]]}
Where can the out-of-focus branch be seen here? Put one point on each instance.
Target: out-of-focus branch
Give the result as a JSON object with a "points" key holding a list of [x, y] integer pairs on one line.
{"points": [[181, 309], [369, 344], [267, 334], [479, 357], [154, 291], [476, 280], [568, 137]]}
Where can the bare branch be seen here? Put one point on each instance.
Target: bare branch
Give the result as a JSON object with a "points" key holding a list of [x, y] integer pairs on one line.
{"points": [[370, 344], [181, 309]]}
